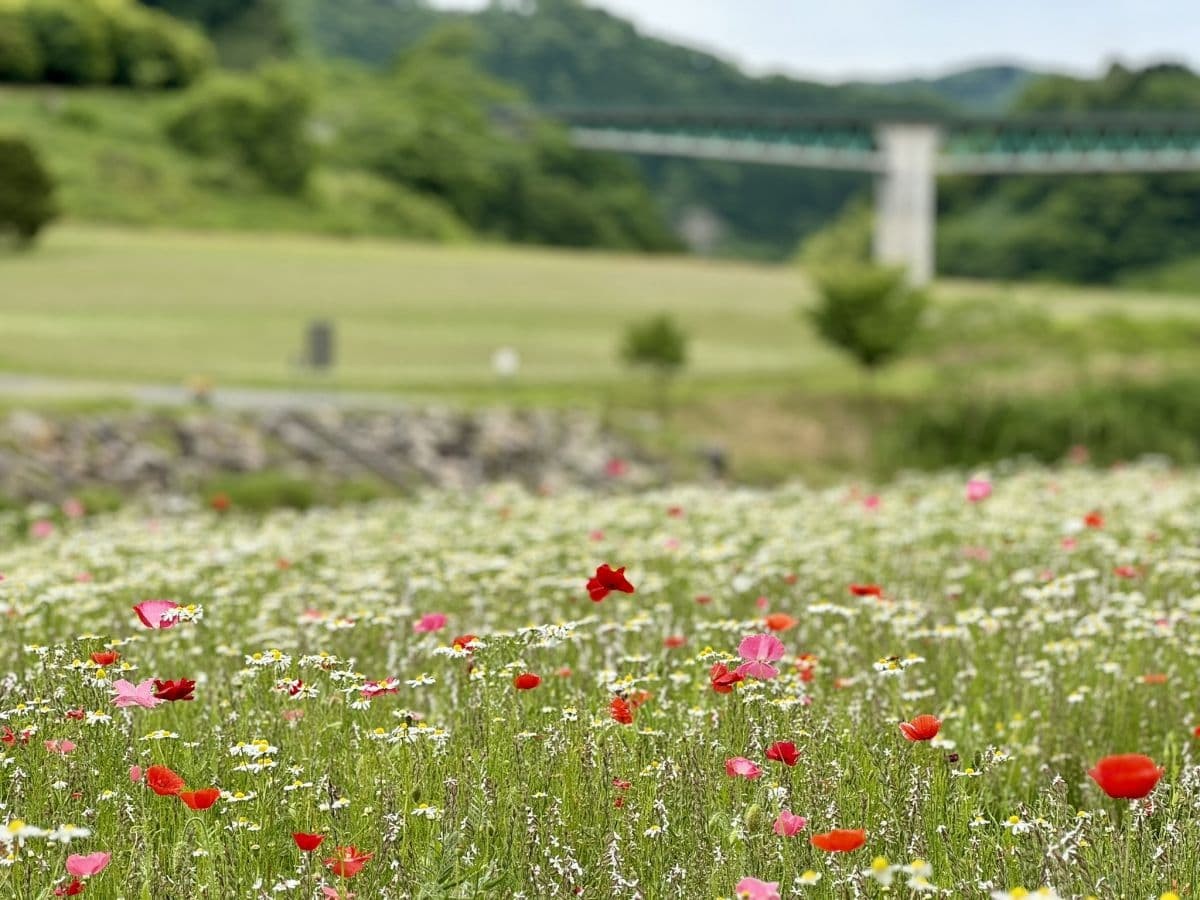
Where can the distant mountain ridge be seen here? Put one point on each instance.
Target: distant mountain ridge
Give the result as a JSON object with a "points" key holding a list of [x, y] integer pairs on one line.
{"points": [[564, 52]]}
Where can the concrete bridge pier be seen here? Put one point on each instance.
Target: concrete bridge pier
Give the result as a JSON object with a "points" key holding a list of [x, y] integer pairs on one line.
{"points": [[906, 198]]}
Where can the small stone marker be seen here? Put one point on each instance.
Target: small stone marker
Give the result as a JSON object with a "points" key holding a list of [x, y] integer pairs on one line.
{"points": [[319, 351]]}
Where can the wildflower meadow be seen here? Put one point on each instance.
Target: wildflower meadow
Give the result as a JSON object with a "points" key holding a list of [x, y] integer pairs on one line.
{"points": [[983, 689]]}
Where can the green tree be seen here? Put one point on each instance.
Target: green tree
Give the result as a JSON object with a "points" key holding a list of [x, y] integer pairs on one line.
{"points": [[154, 50], [26, 191], [260, 123], [20, 54], [660, 345], [868, 311], [74, 41]]}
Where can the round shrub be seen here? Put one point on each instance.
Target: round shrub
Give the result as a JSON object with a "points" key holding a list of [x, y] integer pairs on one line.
{"points": [[153, 50], [20, 55], [74, 39], [26, 190]]}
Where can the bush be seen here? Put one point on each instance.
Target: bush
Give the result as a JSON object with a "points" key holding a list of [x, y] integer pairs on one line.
{"points": [[868, 311], [260, 123], [262, 491], [153, 50], [26, 190], [661, 346], [1114, 422], [657, 343], [20, 55], [74, 40]]}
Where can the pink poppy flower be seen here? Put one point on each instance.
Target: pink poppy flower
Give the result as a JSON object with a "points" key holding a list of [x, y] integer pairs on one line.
{"points": [[788, 824], [871, 502], [332, 893], [86, 866], [740, 767], [753, 889], [157, 613], [135, 774], [430, 622], [759, 650], [129, 694], [42, 528], [63, 747], [978, 489]]}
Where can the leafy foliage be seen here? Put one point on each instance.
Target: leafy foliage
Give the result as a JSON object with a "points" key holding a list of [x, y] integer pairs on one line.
{"points": [[1085, 228], [868, 311], [427, 127], [1114, 422], [260, 122], [658, 343], [26, 190], [20, 53], [246, 32], [98, 42]]}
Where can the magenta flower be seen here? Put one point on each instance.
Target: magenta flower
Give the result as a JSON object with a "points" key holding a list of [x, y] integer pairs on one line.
{"points": [[86, 866], [129, 694], [157, 613], [753, 889], [759, 650], [740, 767], [788, 824], [430, 622], [978, 489]]}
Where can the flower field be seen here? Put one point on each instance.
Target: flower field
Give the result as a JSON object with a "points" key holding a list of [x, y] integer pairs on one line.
{"points": [[983, 690]]}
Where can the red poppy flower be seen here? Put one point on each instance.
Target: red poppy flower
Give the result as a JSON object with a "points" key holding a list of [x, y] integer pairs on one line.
{"points": [[784, 752], [527, 681], [69, 890], [1154, 678], [463, 642], [607, 580], [620, 711], [672, 641], [1129, 776], [163, 781], [174, 690], [76, 715], [307, 842], [703, 599], [723, 679], [1196, 731], [922, 728], [220, 502], [1094, 519], [622, 785], [780, 621], [866, 590], [1126, 572], [840, 840], [201, 799], [105, 657], [10, 737], [348, 862]]}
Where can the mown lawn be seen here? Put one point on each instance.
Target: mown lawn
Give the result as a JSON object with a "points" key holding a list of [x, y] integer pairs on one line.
{"points": [[367, 676]]}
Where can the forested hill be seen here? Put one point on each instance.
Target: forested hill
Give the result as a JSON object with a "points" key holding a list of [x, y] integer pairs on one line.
{"points": [[564, 52]]}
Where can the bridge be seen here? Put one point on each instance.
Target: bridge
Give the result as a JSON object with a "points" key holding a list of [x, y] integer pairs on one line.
{"points": [[904, 153]]}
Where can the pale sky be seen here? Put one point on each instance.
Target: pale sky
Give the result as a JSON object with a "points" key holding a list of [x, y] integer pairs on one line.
{"points": [[842, 39]]}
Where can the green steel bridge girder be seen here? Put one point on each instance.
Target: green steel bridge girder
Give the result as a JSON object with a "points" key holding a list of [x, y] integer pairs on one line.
{"points": [[968, 146]]}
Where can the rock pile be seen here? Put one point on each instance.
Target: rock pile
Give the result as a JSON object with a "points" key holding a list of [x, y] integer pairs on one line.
{"points": [[46, 458]]}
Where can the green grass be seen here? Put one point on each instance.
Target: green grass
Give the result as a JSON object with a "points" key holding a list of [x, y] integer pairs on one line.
{"points": [[1037, 655]]}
